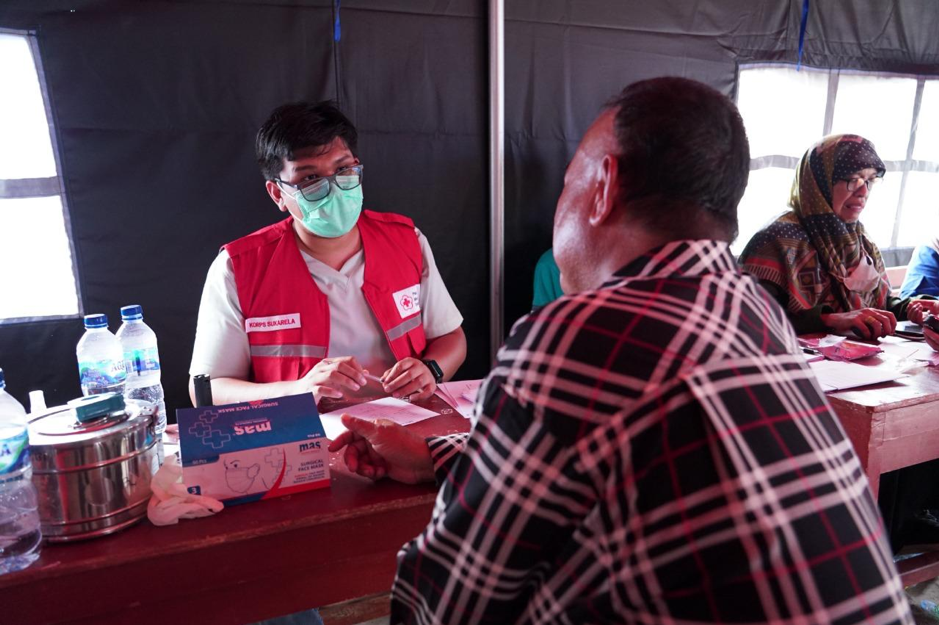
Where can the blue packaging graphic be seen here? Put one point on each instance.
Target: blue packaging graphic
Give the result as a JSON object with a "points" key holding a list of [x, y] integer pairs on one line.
{"points": [[253, 450]]}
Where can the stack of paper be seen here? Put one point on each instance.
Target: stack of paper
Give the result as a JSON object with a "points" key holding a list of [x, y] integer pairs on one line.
{"points": [[396, 410], [834, 375], [460, 395]]}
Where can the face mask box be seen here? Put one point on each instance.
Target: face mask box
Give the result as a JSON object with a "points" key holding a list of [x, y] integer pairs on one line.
{"points": [[253, 450]]}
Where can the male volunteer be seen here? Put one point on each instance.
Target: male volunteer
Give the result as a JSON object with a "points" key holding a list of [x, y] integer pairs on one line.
{"points": [[316, 301], [652, 447]]}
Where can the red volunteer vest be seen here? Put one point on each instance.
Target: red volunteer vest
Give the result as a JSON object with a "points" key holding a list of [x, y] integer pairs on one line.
{"points": [[287, 316]]}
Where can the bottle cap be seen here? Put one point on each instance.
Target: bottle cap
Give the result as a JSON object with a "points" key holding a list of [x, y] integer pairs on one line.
{"points": [[94, 406], [3, 381], [132, 312], [96, 321]]}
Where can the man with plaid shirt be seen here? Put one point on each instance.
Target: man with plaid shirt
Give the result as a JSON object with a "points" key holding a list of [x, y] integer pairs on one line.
{"points": [[651, 447]]}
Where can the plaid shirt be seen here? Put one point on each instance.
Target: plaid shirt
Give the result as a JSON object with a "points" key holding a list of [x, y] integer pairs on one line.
{"points": [[655, 451]]}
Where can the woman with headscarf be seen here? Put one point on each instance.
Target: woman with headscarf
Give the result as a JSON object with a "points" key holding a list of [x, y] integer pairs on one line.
{"points": [[817, 260]]}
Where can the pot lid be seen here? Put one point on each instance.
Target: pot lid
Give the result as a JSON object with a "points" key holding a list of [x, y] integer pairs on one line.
{"points": [[61, 425]]}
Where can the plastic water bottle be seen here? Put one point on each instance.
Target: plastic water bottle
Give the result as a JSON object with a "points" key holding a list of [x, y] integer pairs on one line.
{"points": [[100, 358], [929, 606], [19, 520], [142, 361]]}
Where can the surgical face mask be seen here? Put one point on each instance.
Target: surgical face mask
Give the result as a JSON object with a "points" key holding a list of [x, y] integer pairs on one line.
{"points": [[240, 479], [333, 215], [864, 277]]}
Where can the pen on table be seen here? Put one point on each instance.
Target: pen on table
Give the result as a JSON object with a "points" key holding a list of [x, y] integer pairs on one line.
{"points": [[373, 378], [812, 355], [377, 380]]}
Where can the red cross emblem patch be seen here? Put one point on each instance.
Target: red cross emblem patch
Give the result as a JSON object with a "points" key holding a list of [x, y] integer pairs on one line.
{"points": [[408, 301]]}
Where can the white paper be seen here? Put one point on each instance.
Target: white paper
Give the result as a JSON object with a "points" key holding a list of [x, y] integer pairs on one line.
{"points": [[396, 410], [929, 356], [908, 352], [834, 375], [460, 395]]}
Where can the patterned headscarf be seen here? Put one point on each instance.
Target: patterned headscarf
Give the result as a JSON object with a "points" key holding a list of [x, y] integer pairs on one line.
{"points": [[810, 251]]}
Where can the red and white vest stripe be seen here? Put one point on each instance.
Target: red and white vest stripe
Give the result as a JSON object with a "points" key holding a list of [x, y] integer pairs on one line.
{"points": [[287, 316]]}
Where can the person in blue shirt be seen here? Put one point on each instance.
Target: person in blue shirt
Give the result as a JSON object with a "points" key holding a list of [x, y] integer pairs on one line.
{"points": [[922, 275], [547, 285]]}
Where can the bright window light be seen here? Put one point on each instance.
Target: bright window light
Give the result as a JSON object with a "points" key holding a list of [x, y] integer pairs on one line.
{"points": [[35, 249], [927, 132], [880, 211], [767, 198], [26, 148], [33, 235], [877, 108], [784, 110], [919, 222]]}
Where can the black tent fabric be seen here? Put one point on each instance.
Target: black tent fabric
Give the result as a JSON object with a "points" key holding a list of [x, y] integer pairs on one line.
{"points": [[565, 59], [156, 105], [156, 108]]}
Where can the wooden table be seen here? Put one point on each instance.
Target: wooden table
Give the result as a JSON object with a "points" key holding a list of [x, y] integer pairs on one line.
{"points": [[247, 563], [895, 425]]}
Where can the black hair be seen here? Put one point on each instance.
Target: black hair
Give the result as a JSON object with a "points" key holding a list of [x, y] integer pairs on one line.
{"points": [[299, 125], [684, 156]]}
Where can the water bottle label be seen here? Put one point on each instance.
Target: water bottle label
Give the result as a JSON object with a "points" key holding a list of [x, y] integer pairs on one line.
{"points": [[139, 361], [14, 453], [102, 373]]}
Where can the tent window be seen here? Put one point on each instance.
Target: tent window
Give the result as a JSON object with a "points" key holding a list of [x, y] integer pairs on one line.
{"points": [[787, 111], [37, 270]]}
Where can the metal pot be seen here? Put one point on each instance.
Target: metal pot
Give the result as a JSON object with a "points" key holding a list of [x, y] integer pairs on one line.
{"points": [[92, 467]]}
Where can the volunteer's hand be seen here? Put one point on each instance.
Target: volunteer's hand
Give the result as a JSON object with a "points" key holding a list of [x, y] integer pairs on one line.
{"points": [[409, 377], [932, 338], [329, 376], [867, 323], [384, 448], [919, 308]]}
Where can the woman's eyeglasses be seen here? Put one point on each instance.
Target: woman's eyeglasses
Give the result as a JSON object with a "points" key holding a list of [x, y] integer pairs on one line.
{"points": [[855, 183]]}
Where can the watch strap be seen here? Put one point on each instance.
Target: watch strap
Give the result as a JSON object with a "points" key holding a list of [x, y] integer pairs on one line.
{"points": [[435, 370]]}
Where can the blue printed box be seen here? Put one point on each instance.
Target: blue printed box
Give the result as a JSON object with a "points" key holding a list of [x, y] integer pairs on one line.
{"points": [[254, 450]]}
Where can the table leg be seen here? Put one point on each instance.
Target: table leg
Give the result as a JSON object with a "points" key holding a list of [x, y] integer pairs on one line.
{"points": [[873, 469], [874, 481]]}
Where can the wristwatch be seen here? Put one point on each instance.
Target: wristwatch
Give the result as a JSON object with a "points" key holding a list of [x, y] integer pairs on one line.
{"points": [[435, 370]]}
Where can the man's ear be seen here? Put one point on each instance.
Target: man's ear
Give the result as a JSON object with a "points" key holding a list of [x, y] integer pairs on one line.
{"points": [[606, 190], [276, 193]]}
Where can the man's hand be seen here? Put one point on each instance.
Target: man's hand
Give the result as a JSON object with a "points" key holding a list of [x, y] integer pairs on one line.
{"points": [[918, 309], [329, 376], [380, 448], [409, 378], [867, 323], [932, 338]]}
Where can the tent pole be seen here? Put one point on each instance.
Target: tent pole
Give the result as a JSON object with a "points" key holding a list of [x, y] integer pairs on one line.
{"points": [[496, 172]]}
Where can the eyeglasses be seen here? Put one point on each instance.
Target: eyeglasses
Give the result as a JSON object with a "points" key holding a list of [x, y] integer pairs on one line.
{"points": [[346, 179], [855, 183]]}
